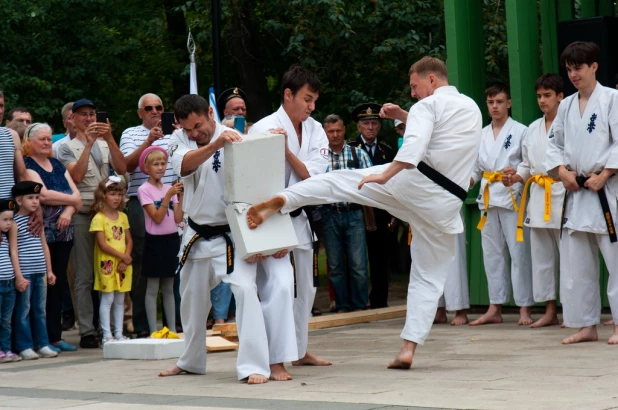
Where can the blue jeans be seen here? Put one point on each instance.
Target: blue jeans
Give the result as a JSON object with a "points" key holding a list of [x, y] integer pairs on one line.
{"points": [[7, 303], [346, 251], [220, 298], [30, 329]]}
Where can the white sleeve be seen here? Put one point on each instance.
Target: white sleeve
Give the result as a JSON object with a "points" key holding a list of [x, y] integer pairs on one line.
{"points": [[317, 162], [523, 169], [554, 156], [612, 161], [177, 150], [419, 128]]}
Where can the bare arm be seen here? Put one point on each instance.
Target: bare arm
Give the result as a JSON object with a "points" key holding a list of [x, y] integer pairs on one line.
{"points": [[132, 160], [51, 197], [393, 169], [193, 159], [21, 283], [51, 278], [100, 237], [297, 165], [19, 167], [78, 169], [178, 214], [129, 242]]}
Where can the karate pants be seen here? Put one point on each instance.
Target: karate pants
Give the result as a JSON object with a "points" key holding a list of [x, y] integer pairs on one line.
{"points": [[545, 255], [305, 295], [456, 296], [275, 284], [276, 288], [579, 277], [432, 251], [499, 242]]}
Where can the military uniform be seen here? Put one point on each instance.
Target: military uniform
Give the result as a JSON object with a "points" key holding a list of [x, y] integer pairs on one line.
{"points": [[378, 240]]}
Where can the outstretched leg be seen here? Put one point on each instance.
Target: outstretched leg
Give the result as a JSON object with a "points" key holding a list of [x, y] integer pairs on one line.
{"points": [[257, 214]]}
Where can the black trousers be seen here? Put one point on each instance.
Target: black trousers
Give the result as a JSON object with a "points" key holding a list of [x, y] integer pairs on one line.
{"points": [[377, 248], [59, 253]]}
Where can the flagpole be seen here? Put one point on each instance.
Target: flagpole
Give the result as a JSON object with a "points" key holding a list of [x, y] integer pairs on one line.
{"points": [[193, 76], [216, 40]]}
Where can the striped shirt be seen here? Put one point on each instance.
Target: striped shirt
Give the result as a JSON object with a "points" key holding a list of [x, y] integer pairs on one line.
{"points": [[30, 249], [6, 267], [345, 160], [7, 159], [131, 140]]}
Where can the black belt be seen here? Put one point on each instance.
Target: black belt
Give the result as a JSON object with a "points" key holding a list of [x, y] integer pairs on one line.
{"points": [[342, 208], [441, 180], [208, 232], [607, 213], [316, 249]]}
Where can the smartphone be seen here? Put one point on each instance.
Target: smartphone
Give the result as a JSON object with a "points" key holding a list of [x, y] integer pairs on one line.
{"points": [[102, 117], [239, 123], [167, 123]]}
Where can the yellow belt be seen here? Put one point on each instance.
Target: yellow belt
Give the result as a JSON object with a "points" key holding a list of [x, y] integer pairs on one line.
{"points": [[544, 181], [492, 177]]}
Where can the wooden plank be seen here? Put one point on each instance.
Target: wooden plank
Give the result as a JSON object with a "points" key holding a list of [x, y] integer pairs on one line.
{"points": [[352, 318], [219, 344], [226, 330]]}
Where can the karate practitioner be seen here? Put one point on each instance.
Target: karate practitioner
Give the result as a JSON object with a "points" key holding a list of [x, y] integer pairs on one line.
{"points": [[583, 153], [196, 153], [544, 211], [441, 140], [456, 297], [306, 155], [501, 148]]}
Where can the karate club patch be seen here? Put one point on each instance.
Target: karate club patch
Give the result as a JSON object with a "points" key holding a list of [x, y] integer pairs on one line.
{"points": [[324, 153], [172, 149]]}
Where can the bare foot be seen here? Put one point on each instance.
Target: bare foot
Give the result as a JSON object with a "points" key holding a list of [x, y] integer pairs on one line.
{"points": [[257, 214], [608, 323], [440, 316], [256, 379], [585, 334], [278, 373], [524, 317], [403, 360], [311, 360], [461, 318], [493, 315], [562, 326], [548, 319], [172, 371]]}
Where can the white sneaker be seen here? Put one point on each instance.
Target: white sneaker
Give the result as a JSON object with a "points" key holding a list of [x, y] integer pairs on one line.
{"points": [[121, 337], [28, 354], [105, 340], [46, 352]]}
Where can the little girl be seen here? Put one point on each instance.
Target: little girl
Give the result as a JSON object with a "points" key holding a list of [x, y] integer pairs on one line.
{"points": [[112, 253], [9, 263], [162, 212]]}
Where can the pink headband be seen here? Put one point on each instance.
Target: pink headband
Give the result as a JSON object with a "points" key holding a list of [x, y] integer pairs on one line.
{"points": [[142, 157]]}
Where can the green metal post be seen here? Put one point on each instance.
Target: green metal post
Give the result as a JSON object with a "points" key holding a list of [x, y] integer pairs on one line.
{"points": [[522, 31], [607, 8], [588, 8], [565, 9], [465, 48], [549, 35]]}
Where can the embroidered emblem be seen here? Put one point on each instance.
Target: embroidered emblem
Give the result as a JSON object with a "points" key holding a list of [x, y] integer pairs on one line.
{"points": [[216, 164], [591, 124], [324, 153], [479, 197], [507, 143], [172, 149], [527, 220]]}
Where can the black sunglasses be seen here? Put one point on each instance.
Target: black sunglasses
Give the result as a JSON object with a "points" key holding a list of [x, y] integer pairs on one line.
{"points": [[149, 108]]}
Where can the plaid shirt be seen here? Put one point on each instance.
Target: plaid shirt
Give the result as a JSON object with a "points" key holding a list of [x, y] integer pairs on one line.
{"points": [[345, 160]]}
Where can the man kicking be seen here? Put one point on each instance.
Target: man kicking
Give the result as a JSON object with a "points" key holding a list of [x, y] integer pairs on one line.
{"points": [[441, 142], [544, 211], [306, 155], [583, 153]]}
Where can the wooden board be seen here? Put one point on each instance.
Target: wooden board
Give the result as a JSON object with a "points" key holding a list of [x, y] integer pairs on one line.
{"points": [[352, 318], [219, 344], [226, 330]]}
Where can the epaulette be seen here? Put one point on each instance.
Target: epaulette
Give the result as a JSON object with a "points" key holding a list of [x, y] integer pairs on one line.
{"points": [[385, 144]]}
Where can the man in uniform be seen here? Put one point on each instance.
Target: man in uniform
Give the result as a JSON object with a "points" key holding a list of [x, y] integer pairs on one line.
{"points": [[367, 118], [232, 101]]}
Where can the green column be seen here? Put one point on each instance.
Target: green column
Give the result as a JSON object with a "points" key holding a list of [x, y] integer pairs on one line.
{"points": [[522, 31], [465, 48], [565, 9], [588, 8], [606, 8], [549, 35]]}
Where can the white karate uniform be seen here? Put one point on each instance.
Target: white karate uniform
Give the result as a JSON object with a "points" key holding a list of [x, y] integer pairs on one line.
{"points": [[314, 154], [498, 237], [456, 296], [544, 235], [586, 144], [444, 130], [206, 266]]}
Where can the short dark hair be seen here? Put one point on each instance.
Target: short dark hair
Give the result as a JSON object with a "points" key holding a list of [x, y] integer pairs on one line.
{"points": [[190, 104], [550, 81], [332, 119], [17, 109], [296, 77], [496, 89], [580, 52]]}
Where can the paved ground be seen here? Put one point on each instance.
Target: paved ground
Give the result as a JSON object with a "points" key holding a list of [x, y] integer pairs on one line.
{"points": [[493, 367]]}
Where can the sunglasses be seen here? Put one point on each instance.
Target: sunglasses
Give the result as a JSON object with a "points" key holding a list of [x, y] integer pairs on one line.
{"points": [[149, 108]]}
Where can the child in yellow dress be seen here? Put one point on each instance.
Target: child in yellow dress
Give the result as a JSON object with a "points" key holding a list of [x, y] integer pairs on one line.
{"points": [[112, 254]]}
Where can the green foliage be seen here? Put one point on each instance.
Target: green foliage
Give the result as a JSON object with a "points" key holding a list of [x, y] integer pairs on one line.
{"points": [[496, 50]]}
